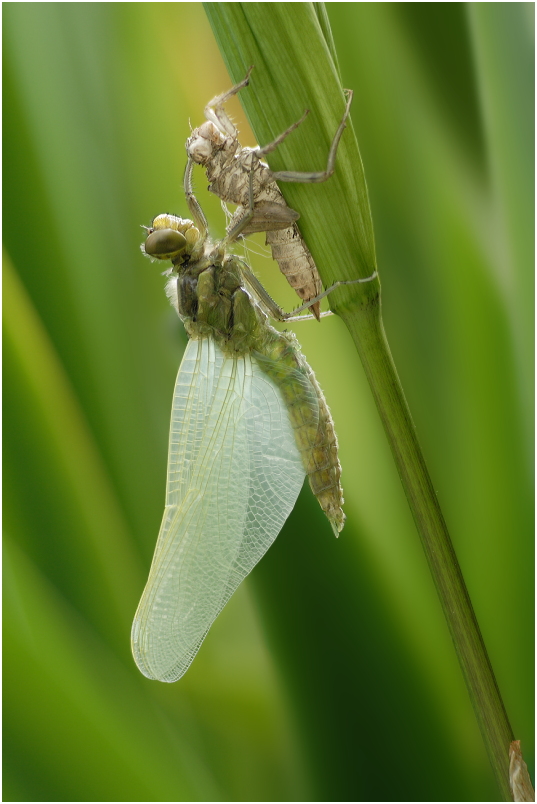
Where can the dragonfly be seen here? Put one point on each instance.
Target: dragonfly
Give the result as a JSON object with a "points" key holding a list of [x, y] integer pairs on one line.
{"points": [[229, 166], [249, 422]]}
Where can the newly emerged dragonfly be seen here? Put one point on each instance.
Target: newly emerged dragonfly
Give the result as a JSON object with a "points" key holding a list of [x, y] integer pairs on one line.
{"points": [[230, 168], [249, 421]]}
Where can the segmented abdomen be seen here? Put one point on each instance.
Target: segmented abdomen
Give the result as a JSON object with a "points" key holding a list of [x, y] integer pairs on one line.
{"points": [[296, 263], [311, 419], [229, 180]]}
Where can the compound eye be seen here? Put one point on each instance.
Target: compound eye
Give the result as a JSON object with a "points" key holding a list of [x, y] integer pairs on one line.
{"points": [[164, 244]]}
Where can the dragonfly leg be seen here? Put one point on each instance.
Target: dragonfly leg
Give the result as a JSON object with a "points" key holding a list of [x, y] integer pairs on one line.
{"points": [[280, 315], [291, 317], [214, 111], [288, 316], [276, 312], [193, 204], [267, 149], [312, 178]]}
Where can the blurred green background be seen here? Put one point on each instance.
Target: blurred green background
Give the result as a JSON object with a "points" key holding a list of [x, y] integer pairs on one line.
{"points": [[330, 675]]}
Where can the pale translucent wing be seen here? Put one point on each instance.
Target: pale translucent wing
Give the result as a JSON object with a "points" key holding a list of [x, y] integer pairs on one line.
{"points": [[234, 473]]}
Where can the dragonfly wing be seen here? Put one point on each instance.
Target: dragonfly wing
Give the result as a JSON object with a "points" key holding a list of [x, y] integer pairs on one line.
{"points": [[234, 473]]}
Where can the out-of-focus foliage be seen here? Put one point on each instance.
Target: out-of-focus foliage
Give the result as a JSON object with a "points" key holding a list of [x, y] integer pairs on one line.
{"points": [[330, 675]]}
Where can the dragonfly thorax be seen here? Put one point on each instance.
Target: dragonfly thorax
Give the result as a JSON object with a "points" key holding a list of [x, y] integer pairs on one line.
{"points": [[212, 301]]}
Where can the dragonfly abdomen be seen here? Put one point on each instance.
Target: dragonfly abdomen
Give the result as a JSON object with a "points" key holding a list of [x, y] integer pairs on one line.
{"points": [[312, 422], [324, 471]]}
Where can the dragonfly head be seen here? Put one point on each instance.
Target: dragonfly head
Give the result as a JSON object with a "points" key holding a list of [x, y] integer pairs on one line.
{"points": [[170, 238]]}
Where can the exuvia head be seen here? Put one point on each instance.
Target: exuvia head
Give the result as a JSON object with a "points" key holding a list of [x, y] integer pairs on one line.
{"points": [[203, 142]]}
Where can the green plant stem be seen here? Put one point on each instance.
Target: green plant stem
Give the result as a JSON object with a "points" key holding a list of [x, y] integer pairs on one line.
{"points": [[295, 68], [369, 337]]}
